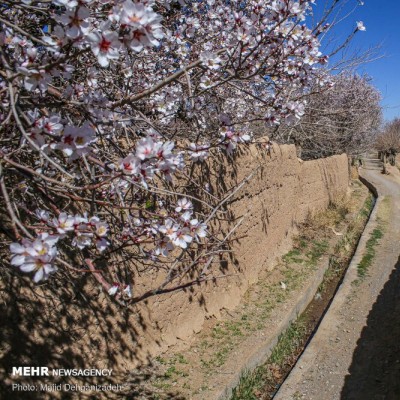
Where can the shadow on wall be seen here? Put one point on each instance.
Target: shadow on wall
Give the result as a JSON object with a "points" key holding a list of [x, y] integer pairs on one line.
{"points": [[74, 325], [375, 370]]}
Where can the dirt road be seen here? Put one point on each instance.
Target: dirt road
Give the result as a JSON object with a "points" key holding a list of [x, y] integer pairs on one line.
{"points": [[355, 353]]}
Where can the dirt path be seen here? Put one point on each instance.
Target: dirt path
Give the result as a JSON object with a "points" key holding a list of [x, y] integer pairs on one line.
{"points": [[355, 353]]}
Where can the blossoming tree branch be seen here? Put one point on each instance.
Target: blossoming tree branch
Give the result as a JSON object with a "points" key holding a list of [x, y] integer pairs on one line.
{"points": [[106, 106]]}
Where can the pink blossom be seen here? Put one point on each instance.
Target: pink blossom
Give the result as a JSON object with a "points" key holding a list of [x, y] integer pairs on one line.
{"points": [[182, 238], [145, 25], [52, 125], [75, 140], [145, 148], [105, 46], [130, 165]]}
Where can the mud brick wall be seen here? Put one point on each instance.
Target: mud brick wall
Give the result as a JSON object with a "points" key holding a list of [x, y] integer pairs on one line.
{"points": [[76, 331], [281, 194]]}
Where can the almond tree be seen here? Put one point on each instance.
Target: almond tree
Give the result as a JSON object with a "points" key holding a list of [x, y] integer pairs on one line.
{"points": [[107, 105]]}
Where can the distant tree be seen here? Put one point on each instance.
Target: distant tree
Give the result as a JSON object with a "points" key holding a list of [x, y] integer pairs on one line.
{"points": [[344, 118], [388, 142]]}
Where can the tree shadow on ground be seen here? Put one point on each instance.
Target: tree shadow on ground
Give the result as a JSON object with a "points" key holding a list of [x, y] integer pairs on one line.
{"points": [[59, 326], [375, 370]]}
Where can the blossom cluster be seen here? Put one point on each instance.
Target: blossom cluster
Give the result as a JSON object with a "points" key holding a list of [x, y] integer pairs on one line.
{"points": [[121, 30], [152, 155], [177, 230], [180, 231], [49, 133], [39, 255]]}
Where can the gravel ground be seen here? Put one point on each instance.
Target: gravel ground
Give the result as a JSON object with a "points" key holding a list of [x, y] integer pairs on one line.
{"points": [[355, 353]]}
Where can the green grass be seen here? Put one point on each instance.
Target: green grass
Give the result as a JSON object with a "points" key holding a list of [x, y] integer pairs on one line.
{"points": [[293, 256], [318, 249], [366, 261], [230, 328], [172, 372], [300, 255], [224, 333], [307, 253], [288, 343], [375, 236], [368, 205]]}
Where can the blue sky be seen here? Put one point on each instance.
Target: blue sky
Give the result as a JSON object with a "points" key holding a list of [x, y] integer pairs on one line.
{"points": [[382, 21]]}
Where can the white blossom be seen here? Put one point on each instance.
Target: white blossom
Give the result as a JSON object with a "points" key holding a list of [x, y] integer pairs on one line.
{"points": [[199, 229], [210, 60], [127, 291], [163, 247], [101, 228], [169, 229], [145, 148], [113, 289], [102, 244], [82, 240], [183, 204], [42, 215], [76, 22], [52, 125], [361, 26], [198, 152], [64, 223], [35, 78], [36, 256]]}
